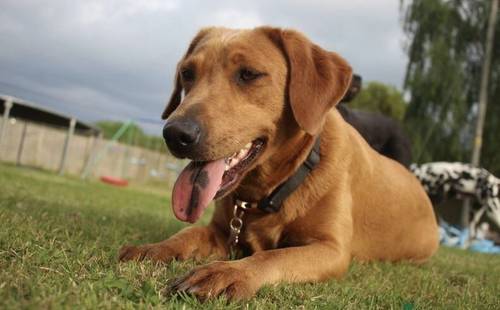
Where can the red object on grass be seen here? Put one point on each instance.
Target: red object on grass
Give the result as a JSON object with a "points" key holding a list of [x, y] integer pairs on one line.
{"points": [[114, 181]]}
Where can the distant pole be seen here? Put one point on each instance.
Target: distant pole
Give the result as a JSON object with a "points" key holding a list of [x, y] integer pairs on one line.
{"points": [[69, 135], [7, 105], [158, 162], [96, 140], [126, 154], [483, 92], [95, 158], [483, 100], [21, 144]]}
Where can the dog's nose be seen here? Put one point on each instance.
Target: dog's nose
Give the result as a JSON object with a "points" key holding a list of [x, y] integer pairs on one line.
{"points": [[181, 136]]}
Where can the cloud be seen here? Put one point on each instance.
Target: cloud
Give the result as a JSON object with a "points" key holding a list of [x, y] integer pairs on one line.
{"points": [[116, 58], [235, 18], [95, 11]]}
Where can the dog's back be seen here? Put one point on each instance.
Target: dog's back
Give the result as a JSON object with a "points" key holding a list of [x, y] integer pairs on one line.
{"points": [[392, 214]]}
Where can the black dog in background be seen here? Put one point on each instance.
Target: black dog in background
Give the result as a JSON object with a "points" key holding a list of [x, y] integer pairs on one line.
{"points": [[383, 133]]}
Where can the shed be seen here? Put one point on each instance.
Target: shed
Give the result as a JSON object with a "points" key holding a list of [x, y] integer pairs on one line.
{"points": [[12, 107]]}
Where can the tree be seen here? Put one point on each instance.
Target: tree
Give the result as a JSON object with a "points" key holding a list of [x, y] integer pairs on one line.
{"points": [[133, 136], [378, 97], [445, 47]]}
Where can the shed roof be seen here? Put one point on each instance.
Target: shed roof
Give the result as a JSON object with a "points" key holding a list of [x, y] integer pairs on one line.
{"points": [[32, 112]]}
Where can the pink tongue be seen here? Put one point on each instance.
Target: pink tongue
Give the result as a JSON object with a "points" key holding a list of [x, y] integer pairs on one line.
{"points": [[195, 187]]}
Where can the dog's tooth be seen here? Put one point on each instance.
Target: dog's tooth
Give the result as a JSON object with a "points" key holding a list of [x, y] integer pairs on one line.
{"points": [[234, 162], [234, 159], [244, 153]]}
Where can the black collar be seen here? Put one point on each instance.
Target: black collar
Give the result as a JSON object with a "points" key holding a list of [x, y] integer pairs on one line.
{"points": [[274, 201]]}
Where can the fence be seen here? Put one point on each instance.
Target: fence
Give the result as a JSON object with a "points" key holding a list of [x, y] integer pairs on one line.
{"points": [[37, 145]]}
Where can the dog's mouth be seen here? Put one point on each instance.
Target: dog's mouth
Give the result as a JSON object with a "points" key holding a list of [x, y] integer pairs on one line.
{"points": [[202, 181]]}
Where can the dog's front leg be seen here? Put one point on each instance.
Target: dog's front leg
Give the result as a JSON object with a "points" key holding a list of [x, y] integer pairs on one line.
{"points": [[241, 279], [191, 242]]}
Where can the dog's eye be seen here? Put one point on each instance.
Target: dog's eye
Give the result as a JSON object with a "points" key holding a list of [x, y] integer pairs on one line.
{"points": [[187, 75], [247, 75]]}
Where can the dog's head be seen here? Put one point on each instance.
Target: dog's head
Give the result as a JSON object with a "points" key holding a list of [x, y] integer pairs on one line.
{"points": [[238, 95]]}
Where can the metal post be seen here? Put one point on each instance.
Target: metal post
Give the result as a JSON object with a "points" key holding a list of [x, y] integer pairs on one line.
{"points": [[96, 141], [39, 143], [158, 162], [8, 103], [97, 156], [483, 101], [71, 130], [21, 144], [124, 162]]}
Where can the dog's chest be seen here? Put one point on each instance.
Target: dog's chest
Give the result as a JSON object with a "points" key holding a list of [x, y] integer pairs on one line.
{"points": [[261, 235]]}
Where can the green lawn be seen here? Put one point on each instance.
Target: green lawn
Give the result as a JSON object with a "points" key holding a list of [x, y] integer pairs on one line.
{"points": [[59, 238]]}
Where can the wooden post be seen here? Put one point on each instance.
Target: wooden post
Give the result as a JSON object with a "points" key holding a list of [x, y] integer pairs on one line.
{"points": [[483, 102], [69, 135], [7, 104], [89, 148], [94, 159], [92, 155], [483, 92], [39, 144], [124, 156], [158, 162], [21, 144]]}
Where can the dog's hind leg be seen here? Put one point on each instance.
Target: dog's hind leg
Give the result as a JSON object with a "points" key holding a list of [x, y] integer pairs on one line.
{"points": [[493, 211], [475, 220]]}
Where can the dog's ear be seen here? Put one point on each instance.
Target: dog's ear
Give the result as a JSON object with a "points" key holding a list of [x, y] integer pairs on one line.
{"points": [[176, 97], [318, 79]]}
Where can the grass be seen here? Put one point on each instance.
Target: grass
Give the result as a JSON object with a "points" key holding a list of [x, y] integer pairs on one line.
{"points": [[59, 238]]}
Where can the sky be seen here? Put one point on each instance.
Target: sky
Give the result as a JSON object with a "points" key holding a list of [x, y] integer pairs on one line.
{"points": [[115, 59]]}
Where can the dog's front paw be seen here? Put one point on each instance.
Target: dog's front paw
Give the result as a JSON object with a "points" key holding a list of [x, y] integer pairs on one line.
{"points": [[219, 278], [156, 252]]}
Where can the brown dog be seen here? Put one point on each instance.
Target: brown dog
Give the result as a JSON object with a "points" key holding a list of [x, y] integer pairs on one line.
{"points": [[265, 95]]}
